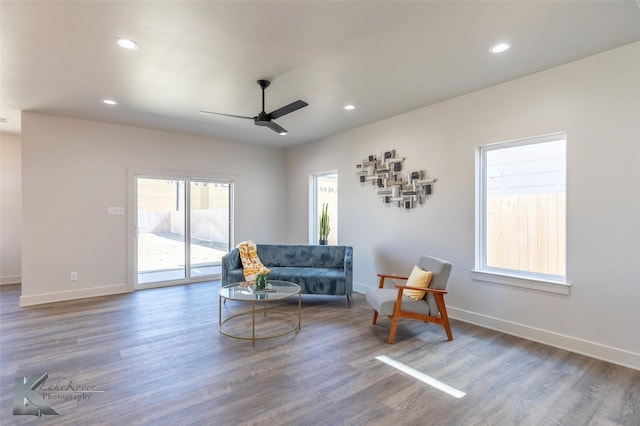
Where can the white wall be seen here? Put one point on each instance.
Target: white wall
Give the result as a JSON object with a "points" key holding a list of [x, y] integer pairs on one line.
{"points": [[10, 209], [597, 102], [73, 170]]}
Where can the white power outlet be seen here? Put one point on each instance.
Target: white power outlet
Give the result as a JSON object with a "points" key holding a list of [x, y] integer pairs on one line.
{"points": [[74, 276], [115, 211]]}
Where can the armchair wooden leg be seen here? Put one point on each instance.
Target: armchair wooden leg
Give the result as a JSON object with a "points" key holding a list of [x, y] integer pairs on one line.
{"points": [[392, 331], [444, 316], [375, 316], [394, 318]]}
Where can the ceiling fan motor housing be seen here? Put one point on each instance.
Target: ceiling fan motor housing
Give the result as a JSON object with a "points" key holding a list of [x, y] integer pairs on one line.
{"points": [[262, 119]]}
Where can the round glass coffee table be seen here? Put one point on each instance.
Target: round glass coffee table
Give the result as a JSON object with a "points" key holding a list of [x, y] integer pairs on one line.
{"points": [[262, 306]]}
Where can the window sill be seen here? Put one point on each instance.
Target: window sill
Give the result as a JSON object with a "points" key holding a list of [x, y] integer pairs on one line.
{"points": [[549, 286]]}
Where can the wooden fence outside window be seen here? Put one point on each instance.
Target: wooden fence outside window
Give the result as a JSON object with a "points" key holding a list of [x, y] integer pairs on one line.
{"points": [[527, 232]]}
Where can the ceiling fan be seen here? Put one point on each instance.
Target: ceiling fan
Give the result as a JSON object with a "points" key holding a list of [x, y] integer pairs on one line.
{"points": [[264, 119]]}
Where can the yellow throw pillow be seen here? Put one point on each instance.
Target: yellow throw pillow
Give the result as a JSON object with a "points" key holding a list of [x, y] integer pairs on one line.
{"points": [[251, 263], [418, 278]]}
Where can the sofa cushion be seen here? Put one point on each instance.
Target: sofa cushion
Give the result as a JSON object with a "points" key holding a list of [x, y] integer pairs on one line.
{"points": [[302, 256], [384, 300], [312, 280]]}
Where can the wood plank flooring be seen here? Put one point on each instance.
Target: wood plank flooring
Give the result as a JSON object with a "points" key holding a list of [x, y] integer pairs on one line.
{"points": [[156, 358]]}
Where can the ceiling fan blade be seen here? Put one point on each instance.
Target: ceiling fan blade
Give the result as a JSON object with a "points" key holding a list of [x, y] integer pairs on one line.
{"points": [[226, 115], [276, 128], [293, 106]]}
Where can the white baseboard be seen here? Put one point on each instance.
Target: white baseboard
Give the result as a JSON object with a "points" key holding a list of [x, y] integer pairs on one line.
{"points": [[572, 344], [584, 347], [10, 279], [39, 299], [361, 288]]}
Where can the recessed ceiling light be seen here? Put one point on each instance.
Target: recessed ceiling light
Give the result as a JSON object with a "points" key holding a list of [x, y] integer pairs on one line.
{"points": [[500, 47], [109, 102], [349, 107], [126, 43]]}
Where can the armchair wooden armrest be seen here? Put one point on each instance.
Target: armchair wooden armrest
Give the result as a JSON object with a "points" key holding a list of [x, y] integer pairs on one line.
{"points": [[430, 290], [392, 276]]}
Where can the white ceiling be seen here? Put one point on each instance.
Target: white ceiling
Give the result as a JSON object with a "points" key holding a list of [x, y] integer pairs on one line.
{"points": [[385, 57]]}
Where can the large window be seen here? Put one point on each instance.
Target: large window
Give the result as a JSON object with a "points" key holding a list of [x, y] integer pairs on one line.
{"points": [[521, 209]]}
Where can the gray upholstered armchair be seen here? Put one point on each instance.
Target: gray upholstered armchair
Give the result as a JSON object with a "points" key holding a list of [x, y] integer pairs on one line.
{"points": [[394, 303]]}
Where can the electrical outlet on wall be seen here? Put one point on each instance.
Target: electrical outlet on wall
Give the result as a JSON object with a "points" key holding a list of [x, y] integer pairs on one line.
{"points": [[74, 276], [115, 211]]}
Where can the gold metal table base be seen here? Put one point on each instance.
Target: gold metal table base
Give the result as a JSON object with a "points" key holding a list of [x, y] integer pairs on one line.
{"points": [[266, 312]]}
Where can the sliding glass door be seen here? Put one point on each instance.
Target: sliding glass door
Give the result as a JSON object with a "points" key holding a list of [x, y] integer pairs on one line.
{"points": [[182, 229], [209, 221]]}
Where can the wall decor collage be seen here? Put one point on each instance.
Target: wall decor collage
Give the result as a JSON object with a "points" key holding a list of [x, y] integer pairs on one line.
{"points": [[394, 186]]}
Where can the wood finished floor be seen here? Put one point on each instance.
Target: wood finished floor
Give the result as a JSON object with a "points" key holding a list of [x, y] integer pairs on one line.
{"points": [[159, 359]]}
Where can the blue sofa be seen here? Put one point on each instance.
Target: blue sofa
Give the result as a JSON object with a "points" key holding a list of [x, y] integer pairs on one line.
{"points": [[326, 270]]}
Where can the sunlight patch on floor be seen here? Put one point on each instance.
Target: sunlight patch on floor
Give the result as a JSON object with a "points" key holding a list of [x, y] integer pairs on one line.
{"points": [[421, 376]]}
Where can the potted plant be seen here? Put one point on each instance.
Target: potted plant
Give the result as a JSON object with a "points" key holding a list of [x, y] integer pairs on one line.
{"points": [[262, 279], [324, 224]]}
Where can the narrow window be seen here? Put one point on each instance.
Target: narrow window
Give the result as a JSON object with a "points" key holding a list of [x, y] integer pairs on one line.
{"points": [[521, 208], [324, 192]]}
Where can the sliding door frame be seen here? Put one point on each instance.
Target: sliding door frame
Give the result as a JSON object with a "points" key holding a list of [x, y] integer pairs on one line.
{"points": [[132, 240]]}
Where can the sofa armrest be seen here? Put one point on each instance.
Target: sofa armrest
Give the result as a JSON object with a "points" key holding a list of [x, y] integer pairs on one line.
{"points": [[348, 269], [229, 262]]}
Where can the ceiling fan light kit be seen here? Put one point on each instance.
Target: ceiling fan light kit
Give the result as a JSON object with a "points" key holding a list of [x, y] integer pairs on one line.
{"points": [[266, 119]]}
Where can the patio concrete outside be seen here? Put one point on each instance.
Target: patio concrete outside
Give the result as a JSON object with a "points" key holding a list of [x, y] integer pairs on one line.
{"points": [[165, 252]]}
